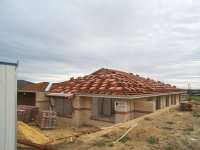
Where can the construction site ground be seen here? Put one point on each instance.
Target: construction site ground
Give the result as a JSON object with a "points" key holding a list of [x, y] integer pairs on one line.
{"points": [[167, 129]]}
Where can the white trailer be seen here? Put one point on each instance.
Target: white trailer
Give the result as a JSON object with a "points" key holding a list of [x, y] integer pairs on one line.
{"points": [[8, 103]]}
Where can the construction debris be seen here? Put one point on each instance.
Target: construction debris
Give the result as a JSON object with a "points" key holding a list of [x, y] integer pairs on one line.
{"points": [[46, 119], [27, 133]]}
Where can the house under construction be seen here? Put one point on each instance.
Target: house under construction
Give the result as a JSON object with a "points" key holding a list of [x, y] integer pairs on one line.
{"points": [[109, 96]]}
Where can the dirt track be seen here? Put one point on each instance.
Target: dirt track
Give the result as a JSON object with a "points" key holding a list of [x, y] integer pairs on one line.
{"points": [[167, 129], [170, 129]]}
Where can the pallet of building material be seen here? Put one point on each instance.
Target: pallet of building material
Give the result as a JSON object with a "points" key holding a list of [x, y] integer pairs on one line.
{"points": [[33, 111], [46, 119], [20, 114], [47, 123], [185, 105], [27, 114]]}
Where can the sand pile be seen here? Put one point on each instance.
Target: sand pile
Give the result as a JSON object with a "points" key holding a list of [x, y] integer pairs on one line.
{"points": [[25, 132]]}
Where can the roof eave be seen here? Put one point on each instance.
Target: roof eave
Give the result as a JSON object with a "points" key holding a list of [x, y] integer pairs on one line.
{"points": [[59, 94], [127, 96], [27, 91], [9, 63]]}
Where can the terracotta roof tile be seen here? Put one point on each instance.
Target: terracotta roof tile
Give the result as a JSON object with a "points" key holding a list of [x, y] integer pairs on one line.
{"points": [[35, 87], [107, 81]]}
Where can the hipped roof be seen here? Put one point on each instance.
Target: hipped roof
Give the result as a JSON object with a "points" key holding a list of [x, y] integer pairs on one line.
{"points": [[34, 87], [108, 81]]}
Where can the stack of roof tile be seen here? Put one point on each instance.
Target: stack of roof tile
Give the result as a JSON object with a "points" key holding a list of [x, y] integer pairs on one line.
{"points": [[107, 81], [46, 119], [30, 113]]}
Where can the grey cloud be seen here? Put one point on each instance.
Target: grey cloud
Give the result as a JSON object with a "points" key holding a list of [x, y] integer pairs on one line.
{"points": [[57, 39]]}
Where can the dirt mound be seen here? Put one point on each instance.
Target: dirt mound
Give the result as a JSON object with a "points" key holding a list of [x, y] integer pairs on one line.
{"points": [[27, 133], [143, 131]]}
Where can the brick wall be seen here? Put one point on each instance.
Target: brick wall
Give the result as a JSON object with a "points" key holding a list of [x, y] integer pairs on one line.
{"points": [[133, 109], [42, 101]]}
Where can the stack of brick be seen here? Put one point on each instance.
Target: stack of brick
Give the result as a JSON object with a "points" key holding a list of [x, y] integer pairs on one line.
{"points": [[46, 119], [27, 113], [20, 114], [30, 114]]}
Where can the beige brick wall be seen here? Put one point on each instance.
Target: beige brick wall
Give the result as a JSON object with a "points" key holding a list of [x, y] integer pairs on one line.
{"points": [[144, 106], [133, 109], [86, 115], [82, 114], [154, 100], [122, 117], [132, 115], [42, 101], [82, 109], [177, 99], [162, 102], [63, 120], [170, 100], [82, 102], [77, 116]]}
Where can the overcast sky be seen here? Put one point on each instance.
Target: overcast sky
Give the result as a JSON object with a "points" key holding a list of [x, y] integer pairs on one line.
{"points": [[57, 39]]}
